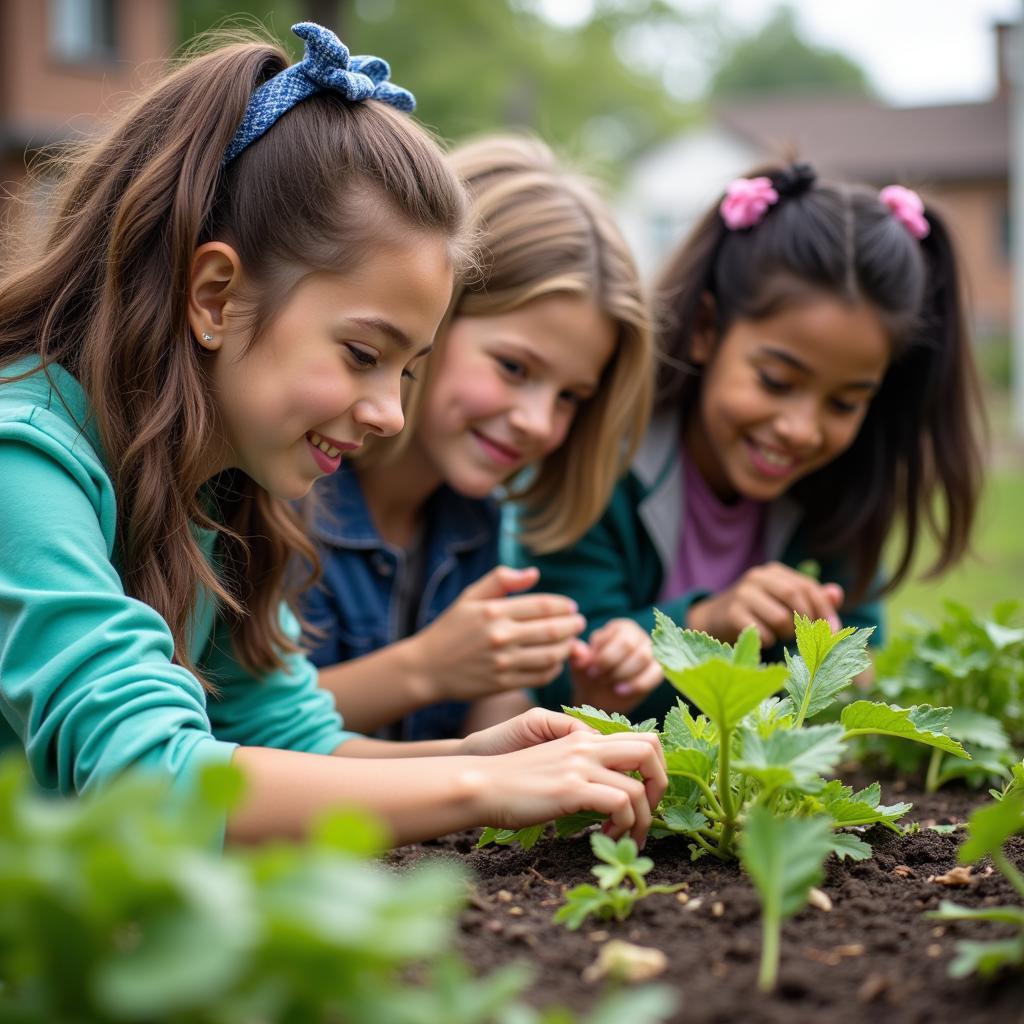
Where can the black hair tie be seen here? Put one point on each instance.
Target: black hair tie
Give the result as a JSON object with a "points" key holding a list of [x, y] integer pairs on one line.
{"points": [[794, 180]]}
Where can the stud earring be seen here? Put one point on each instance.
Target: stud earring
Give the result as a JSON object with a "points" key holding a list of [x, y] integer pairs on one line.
{"points": [[207, 337]]}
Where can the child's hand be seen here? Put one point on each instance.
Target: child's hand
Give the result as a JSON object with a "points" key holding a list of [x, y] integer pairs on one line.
{"points": [[616, 670], [488, 642], [549, 765], [766, 597]]}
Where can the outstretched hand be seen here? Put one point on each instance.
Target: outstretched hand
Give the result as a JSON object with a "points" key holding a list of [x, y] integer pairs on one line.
{"points": [[494, 639], [545, 765], [766, 597], [616, 669]]}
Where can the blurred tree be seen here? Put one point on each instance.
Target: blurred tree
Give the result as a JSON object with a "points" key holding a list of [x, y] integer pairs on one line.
{"points": [[483, 65], [776, 59]]}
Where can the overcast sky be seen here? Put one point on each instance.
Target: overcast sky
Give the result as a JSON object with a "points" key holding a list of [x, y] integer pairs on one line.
{"points": [[915, 51]]}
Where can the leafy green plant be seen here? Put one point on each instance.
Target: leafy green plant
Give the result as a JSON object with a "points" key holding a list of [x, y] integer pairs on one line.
{"points": [[119, 907], [989, 828], [976, 665], [748, 753], [783, 857], [611, 897]]}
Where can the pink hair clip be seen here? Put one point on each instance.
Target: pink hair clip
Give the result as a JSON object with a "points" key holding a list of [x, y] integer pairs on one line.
{"points": [[907, 207], [746, 202]]}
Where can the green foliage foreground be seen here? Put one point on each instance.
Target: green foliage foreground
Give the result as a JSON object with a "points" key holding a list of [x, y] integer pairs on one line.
{"points": [[120, 907]]}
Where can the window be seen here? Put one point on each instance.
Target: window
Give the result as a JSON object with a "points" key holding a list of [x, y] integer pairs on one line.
{"points": [[82, 30]]}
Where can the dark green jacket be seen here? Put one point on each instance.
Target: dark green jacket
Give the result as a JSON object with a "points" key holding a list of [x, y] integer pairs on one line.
{"points": [[617, 569]]}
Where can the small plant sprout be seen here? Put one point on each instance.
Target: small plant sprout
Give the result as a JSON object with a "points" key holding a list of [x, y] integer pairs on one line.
{"points": [[621, 863], [783, 857], [989, 828]]}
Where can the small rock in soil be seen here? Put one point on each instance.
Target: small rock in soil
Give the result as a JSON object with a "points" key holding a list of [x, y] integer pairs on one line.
{"points": [[624, 961]]}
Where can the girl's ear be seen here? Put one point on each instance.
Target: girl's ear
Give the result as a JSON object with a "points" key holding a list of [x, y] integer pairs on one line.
{"points": [[214, 282], [702, 339]]}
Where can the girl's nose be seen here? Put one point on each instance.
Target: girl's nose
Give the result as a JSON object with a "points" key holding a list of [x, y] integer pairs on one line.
{"points": [[381, 413], [800, 429], [534, 416]]}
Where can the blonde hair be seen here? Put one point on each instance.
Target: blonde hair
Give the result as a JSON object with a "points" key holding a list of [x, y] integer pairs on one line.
{"points": [[543, 230]]}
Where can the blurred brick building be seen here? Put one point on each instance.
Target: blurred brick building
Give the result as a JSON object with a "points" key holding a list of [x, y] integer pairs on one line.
{"points": [[63, 63], [956, 155]]}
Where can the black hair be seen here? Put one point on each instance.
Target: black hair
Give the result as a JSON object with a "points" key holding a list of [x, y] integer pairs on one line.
{"points": [[920, 440]]}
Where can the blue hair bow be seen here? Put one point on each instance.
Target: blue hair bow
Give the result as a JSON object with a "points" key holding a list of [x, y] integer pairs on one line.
{"points": [[326, 65]]}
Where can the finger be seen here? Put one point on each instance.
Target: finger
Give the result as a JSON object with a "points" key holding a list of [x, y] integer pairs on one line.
{"points": [[554, 629], [500, 581], [580, 655], [535, 606], [649, 679], [835, 595], [539, 725], [639, 807], [610, 654], [538, 658], [769, 615], [637, 752], [624, 670]]}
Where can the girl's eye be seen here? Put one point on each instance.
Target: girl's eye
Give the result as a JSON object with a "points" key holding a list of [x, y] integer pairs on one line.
{"points": [[512, 367], [570, 398], [773, 384], [409, 375], [362, 356], [842, 406]]}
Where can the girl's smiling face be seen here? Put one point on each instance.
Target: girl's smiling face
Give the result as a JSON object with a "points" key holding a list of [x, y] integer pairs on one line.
{"points": [[784, 395], [506, 388], [326, 371]]}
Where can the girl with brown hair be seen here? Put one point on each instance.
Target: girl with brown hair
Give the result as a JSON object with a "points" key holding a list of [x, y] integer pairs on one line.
{"points": [[539, 386], [817, 393], [239, 275]]}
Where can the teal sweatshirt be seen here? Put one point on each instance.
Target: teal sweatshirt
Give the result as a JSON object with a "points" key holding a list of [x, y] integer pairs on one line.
{"points": [[87, 683]]}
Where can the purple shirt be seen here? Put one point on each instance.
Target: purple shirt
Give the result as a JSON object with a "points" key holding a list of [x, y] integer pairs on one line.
{"points": [[717, 543]]}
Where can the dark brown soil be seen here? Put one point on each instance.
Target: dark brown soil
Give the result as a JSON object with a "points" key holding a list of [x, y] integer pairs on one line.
{"points": [[873, 957]]}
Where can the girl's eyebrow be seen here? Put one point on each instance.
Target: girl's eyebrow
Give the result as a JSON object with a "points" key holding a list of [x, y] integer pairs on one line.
{"points": [[791, 360], [387, 328]]}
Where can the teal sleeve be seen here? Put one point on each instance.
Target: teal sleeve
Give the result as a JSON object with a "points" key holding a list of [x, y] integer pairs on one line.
{"points": [[87, 683], [284, 708]]}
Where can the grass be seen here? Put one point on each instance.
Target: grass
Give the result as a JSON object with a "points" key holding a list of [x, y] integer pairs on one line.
{"points": [[994, 573]]}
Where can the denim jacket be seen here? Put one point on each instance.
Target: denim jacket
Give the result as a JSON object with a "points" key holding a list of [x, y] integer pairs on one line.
{"points": [[353, 603]]}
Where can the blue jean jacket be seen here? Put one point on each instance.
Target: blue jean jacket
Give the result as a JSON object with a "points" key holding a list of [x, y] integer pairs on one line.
{"points": [[353, 603]]}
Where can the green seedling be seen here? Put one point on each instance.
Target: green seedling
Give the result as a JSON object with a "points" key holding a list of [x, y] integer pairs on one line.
{"points": [[988, 830], [783, 857], [611, 897]]}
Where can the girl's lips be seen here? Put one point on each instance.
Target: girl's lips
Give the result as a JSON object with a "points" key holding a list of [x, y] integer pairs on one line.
{"points": [[775, 467], [329, 461], [498, 452]]}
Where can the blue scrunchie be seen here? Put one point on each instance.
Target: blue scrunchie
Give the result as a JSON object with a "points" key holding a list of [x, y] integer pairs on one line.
{"points": [[326, 64]]}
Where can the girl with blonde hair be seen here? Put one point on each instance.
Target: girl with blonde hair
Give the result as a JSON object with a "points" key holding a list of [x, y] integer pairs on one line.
{"points": [[539, 387]]}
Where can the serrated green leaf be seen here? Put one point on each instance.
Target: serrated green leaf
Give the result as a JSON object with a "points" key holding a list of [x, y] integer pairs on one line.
{"points": [[847, 808], [571, 824], [683, 818], [684, 732], [748, 648], [784, 858], [990, 826], [689, 762], [580, 902], [921, 723], [815, 640], [604, 723], [726, 692], [526, 837], [791, 757], [845, 845], [677, 648], [813, 685]]}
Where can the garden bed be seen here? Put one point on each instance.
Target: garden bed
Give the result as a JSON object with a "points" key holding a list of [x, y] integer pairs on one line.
{"points": [[872, 956]]}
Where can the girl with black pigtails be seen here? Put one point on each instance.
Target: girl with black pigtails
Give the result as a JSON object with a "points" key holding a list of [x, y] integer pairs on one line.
{"points": [[816, 393]]}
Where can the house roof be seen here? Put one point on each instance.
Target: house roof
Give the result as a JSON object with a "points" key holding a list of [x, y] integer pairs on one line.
{"points": [[864, 140]]}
